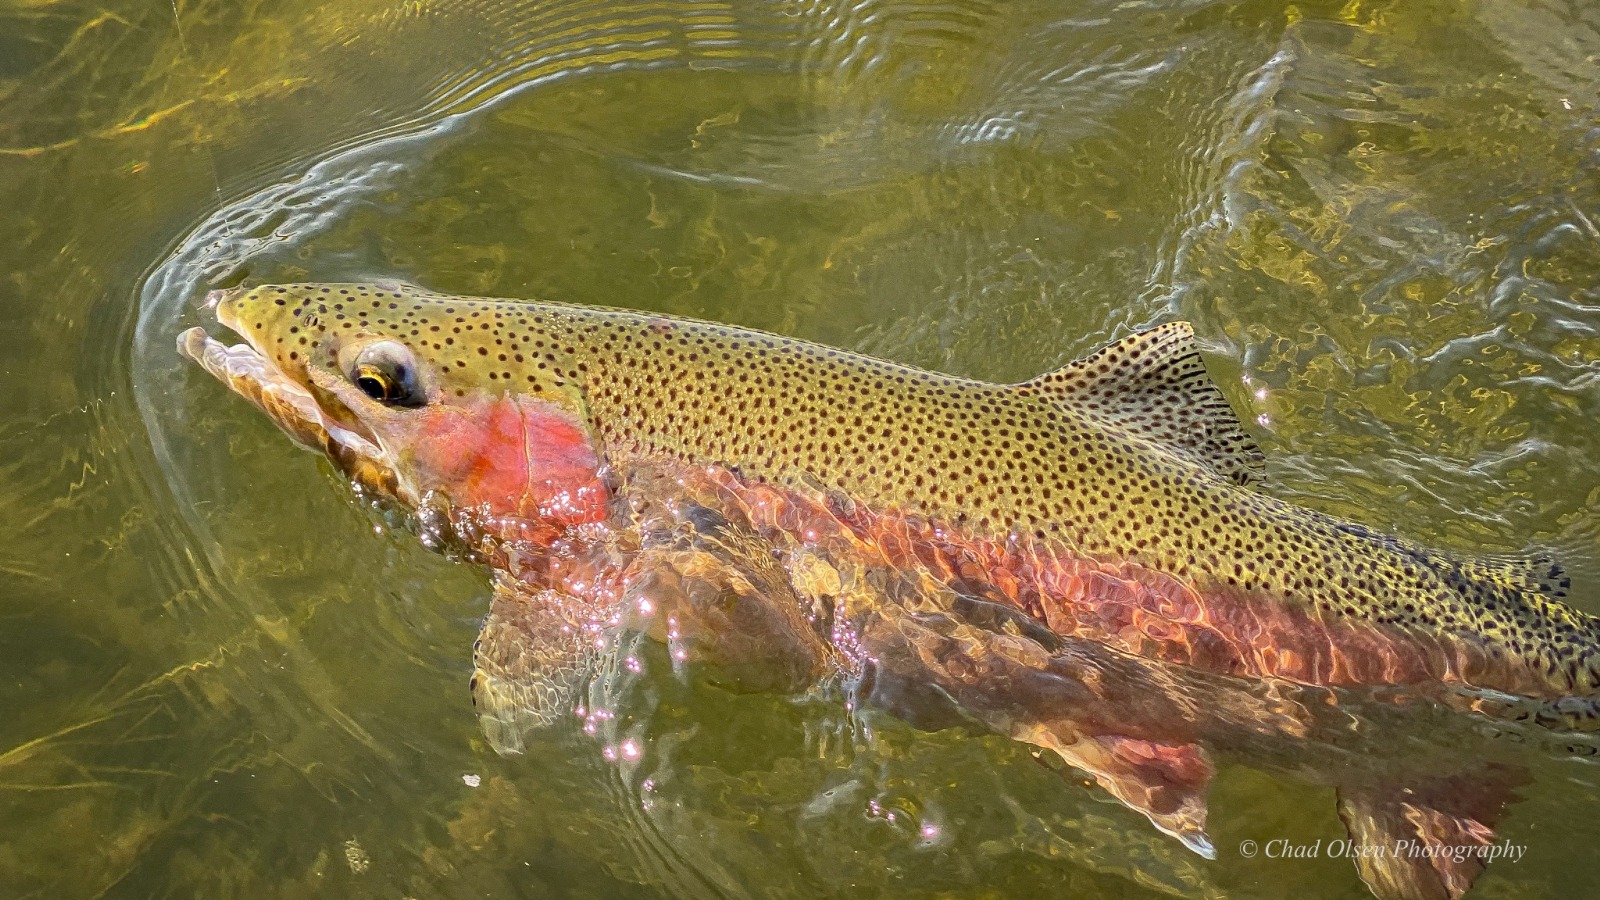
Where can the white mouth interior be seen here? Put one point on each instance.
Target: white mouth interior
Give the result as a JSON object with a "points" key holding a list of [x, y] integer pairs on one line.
{"points": [[252, 375]]}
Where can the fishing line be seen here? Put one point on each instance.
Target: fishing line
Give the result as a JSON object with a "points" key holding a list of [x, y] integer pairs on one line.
{"points": [[211, 160]]}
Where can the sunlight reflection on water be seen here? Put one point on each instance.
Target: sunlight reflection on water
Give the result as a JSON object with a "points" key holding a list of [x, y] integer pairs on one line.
{"points": [[225, 678]]}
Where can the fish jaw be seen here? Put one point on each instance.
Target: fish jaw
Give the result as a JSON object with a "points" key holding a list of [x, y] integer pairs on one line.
{"points": [[291, 406]]}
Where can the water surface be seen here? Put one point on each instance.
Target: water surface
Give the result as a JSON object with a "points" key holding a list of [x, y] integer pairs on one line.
{"points": [[220, 676]]}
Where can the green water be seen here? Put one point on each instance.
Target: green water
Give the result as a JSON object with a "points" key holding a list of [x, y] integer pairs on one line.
{"points": [[219, 676]]}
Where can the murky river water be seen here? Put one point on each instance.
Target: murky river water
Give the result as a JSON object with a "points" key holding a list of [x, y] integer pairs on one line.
{"points": [[221, 677]]}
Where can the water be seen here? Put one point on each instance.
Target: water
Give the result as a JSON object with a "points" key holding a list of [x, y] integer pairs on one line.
{"points": [[220, 676]]}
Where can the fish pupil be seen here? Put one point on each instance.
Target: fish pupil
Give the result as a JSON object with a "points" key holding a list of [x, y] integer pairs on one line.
{"points": [[387, 379], [377, 386]]}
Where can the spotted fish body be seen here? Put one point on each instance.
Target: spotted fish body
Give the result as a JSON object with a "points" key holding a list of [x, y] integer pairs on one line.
{"points": [[1124, 475], [1099, 518]]}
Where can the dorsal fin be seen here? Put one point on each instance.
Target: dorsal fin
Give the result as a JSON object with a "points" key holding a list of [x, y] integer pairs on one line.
{"points": [[1155, 385]]}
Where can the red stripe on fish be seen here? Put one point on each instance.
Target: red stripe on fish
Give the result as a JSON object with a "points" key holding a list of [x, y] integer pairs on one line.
{"points": [[1129, 606]]}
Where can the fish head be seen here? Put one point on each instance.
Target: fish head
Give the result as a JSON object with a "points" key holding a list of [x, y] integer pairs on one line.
{"points": [[415, 396]]}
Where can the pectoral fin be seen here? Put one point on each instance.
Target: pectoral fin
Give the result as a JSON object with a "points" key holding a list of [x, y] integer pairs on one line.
{"points": [[529, 656], [1425, 842], [1165, 782]]}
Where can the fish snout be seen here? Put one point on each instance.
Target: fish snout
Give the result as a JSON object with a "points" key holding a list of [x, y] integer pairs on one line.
{"points": [[220, 303], [215, 298]]}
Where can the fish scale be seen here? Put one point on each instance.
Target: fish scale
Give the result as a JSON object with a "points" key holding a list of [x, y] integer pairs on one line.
{"points": [[1130, 457]]}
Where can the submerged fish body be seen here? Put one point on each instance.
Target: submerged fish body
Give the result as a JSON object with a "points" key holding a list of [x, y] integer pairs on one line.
{"points": [[1066, 560]]}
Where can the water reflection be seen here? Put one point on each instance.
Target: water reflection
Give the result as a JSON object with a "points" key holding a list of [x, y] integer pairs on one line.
{"points": [[222, 678]]}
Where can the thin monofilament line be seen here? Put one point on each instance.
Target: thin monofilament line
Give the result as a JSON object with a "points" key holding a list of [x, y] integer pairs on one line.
{"points": [[211, 160]]}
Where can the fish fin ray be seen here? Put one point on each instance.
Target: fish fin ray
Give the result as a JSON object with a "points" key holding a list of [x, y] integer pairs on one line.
{"points": [[527, 663], [1414, 826], [1167, 783], [1155, 385]]}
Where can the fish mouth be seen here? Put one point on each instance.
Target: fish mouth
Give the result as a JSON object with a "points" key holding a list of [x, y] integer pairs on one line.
{"points": [[290, 404]]}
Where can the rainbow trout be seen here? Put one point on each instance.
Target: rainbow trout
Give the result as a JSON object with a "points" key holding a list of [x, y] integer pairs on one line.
{"points": [[1078, 560]]}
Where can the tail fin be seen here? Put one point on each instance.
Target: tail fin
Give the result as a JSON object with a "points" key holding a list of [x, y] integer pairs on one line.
{"points": [[1430, 841]]}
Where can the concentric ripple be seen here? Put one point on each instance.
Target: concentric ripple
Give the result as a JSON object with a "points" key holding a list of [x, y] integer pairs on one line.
{"points": [[222, 676]]}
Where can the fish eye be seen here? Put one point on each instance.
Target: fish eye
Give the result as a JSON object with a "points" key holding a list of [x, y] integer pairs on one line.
{"points": [[377, 383], [386, 372]]}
